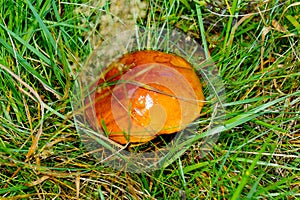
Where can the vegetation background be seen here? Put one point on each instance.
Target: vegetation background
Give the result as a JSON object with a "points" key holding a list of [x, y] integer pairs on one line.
{"points": [[255, 46]]}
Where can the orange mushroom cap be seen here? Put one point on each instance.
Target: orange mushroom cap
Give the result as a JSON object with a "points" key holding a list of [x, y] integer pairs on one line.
{"points": [[145, 94]]}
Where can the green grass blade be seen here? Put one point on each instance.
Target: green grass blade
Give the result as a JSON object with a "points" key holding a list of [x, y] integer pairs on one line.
{"points": [[43, 27], [27, 45], [202, 31], [246, 176], [28, 67]]}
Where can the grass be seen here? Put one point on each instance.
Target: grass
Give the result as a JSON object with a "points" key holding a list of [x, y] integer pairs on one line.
{"points": [[255, 46]]}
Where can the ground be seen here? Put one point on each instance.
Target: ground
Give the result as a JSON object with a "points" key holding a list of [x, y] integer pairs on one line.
{"points": [[255, 49]]}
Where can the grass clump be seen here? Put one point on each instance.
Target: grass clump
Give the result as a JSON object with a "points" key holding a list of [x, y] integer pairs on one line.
{"points": [[255, 46]]}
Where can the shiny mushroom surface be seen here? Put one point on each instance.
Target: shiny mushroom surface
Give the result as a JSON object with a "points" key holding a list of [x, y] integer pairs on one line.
{"points": [[145, 94]]}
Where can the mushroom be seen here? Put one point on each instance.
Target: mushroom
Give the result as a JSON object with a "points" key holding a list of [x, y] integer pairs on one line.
{"points": [[145, 94]]}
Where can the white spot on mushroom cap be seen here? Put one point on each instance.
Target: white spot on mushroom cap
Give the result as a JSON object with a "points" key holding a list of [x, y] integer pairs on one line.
{"points": [[149, 101]]}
